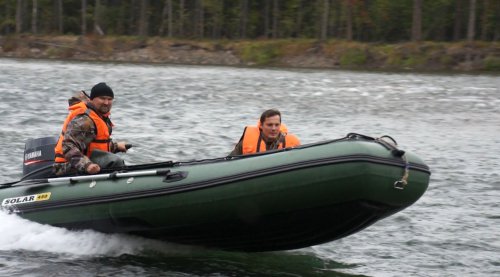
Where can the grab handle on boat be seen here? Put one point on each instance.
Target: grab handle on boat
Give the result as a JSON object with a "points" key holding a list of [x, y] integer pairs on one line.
{"points": [[111, 176], [175, 176]]}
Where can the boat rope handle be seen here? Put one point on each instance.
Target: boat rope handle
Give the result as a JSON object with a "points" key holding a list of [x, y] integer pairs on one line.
{"points": [[391, 146], [357, 136], [389, 137], [401, 184]]}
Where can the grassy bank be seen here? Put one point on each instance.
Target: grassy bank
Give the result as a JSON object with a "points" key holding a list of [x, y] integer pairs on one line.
{"points": [[332, 54]]}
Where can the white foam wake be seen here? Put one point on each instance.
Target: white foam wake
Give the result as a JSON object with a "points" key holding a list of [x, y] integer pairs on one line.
{"points": [[21, 234]]}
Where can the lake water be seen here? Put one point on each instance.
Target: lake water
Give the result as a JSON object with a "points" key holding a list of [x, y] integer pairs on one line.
{"points": [[190, 112]]}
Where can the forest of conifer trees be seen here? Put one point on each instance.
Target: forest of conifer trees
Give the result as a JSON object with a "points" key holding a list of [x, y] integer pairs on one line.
{"points": [[357, 20]]}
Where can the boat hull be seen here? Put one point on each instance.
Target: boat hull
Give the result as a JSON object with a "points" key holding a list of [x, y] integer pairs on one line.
{"points": [[284, 200]]}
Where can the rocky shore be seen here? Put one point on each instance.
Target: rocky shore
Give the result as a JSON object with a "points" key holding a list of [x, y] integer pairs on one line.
{"points": [[421, 56]]}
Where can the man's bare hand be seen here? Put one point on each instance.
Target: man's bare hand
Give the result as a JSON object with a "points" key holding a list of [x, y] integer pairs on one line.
{"points": [[121, 146], [93, 169]]}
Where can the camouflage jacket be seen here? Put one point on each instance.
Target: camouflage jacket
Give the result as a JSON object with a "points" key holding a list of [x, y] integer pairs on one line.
{"points": [[80, 132]]}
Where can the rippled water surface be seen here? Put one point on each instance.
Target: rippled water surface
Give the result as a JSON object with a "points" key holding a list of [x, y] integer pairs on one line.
{"points": [[188, 112]]}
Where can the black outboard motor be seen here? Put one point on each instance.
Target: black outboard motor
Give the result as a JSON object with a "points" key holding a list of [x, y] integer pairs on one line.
{"points": [[38, 157]]}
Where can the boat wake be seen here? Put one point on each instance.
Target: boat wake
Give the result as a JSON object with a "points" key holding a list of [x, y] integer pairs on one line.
{"points": [[21, 234]]}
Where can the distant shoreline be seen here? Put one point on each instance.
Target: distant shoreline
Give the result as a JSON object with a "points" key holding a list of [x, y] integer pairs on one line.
{"points": [[457, 57]]}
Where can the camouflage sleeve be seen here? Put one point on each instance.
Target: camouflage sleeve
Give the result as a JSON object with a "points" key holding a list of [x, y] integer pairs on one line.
{"points": [[113, 148], [79, 134]]}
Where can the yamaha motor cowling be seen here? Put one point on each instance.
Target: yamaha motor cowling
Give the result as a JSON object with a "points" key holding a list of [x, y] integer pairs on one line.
{"points": [[38, 157]]}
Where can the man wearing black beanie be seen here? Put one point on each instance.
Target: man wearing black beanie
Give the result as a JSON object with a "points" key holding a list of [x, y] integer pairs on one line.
{"points": [[101, 98], [86, 134], [101, 89]]}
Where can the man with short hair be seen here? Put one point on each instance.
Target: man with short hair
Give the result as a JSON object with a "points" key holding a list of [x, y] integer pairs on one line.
{"points": [[87, 130], [269, 134]]}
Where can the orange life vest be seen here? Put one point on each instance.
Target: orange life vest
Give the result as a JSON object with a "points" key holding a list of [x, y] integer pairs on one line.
{"points": [[103, 131], [253, 142]]}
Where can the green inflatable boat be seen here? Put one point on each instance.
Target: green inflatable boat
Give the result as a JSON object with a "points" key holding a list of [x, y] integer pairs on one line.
{"points": [[277, 200]]}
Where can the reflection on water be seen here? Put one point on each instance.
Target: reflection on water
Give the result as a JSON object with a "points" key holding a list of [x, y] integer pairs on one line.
{"points": [[189, 112], [203, 263]]}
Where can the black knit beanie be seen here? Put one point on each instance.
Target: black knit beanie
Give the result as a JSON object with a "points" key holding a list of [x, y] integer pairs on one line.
{"points": [[101, 89]]}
